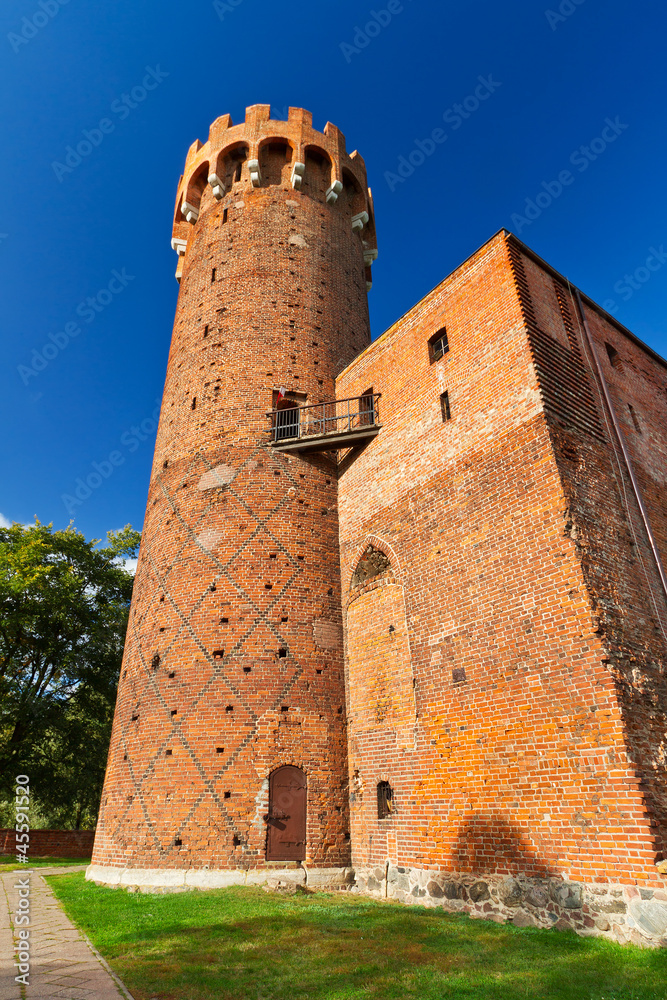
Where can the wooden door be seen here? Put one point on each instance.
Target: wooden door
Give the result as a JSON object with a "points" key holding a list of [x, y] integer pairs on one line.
{"points": [[286, 840]]}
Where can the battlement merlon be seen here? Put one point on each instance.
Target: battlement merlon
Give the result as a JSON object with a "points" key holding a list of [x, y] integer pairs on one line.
{"points": [[228, 145]]}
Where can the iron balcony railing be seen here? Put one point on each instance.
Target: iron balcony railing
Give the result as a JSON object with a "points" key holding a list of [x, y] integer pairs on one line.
{"points": [[325, 424]]}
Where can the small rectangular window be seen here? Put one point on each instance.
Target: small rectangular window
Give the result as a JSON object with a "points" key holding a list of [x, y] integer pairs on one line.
{"points": [[237, 176], [614, 358], [438, 345], [444, 406], [385, 800], [212, 275], [635, 419], [225, 215]]}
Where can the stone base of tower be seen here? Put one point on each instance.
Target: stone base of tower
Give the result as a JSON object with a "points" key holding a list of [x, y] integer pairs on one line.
{"points": [[623, 913], [183, 879]]}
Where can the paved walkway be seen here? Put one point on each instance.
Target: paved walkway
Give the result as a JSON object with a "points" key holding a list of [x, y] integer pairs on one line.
{"points": [[63, 964]]}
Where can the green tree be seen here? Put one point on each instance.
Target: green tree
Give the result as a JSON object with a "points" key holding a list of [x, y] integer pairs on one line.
{"points": [[64, 605]]}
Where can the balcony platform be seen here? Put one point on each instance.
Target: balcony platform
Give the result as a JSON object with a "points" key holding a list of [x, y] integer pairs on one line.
{"points": [[348, 422], [328, 442]]}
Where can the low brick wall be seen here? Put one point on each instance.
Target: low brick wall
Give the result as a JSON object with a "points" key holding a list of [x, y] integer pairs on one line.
{"points": [[52, 843]]}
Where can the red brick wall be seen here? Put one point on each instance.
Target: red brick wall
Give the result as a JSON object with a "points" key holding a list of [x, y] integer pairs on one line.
{"points": [[51, 843], [239, 556], [603, 515], [515, 752]]}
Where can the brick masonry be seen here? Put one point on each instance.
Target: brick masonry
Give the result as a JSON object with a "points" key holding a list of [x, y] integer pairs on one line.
{"points": [[467, 608], [234, 657], [506, 665], [51, 843]]}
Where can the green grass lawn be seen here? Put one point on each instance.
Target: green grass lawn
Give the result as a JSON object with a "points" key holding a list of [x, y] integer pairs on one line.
{"points": [[8, 862], [245, 944]]}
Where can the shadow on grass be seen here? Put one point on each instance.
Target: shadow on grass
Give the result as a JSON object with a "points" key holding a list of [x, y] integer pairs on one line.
{"points": [[245, 944]]}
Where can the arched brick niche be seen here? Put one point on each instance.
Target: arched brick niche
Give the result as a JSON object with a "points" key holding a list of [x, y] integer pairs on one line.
{"points": [[381, 714], [374, 560]]}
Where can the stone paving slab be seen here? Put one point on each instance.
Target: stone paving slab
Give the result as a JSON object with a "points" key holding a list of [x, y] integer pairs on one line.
{"points": [[64, 965]]}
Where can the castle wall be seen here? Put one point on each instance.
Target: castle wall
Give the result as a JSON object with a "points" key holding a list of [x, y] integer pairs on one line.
{"points": [[233, 664], [603, 516], [456, 631], [516, 763]]}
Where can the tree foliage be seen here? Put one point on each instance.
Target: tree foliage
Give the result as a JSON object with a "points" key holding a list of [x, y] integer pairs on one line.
{"points": [[64, 604]]}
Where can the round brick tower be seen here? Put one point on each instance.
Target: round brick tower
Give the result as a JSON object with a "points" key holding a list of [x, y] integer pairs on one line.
{"points": [[229, 742]]}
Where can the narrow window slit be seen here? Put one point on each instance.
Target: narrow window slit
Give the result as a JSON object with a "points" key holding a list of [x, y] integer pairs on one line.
{"points": [[444, 407], [635, 418], [385, 798]]}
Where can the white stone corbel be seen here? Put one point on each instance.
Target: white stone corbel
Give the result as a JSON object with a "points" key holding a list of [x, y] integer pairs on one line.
{"points": [[359, 221], [190, 212], [298, 170], [369, 257], [333, 192], [179, 246], [369, 285], [217, 186], [255, 175]]}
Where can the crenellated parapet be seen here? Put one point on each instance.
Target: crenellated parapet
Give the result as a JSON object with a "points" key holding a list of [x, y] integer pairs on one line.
{"points": [[262, 152]]}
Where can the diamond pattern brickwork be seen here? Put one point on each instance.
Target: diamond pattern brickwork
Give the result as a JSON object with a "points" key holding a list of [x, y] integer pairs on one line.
{"points": [[234, 661]]}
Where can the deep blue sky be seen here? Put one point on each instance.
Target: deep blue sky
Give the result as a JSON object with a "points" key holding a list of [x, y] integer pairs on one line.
{"points": [[61, 239]]}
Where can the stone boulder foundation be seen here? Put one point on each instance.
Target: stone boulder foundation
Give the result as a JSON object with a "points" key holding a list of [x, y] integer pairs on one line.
{"points": [[622, 913]]}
